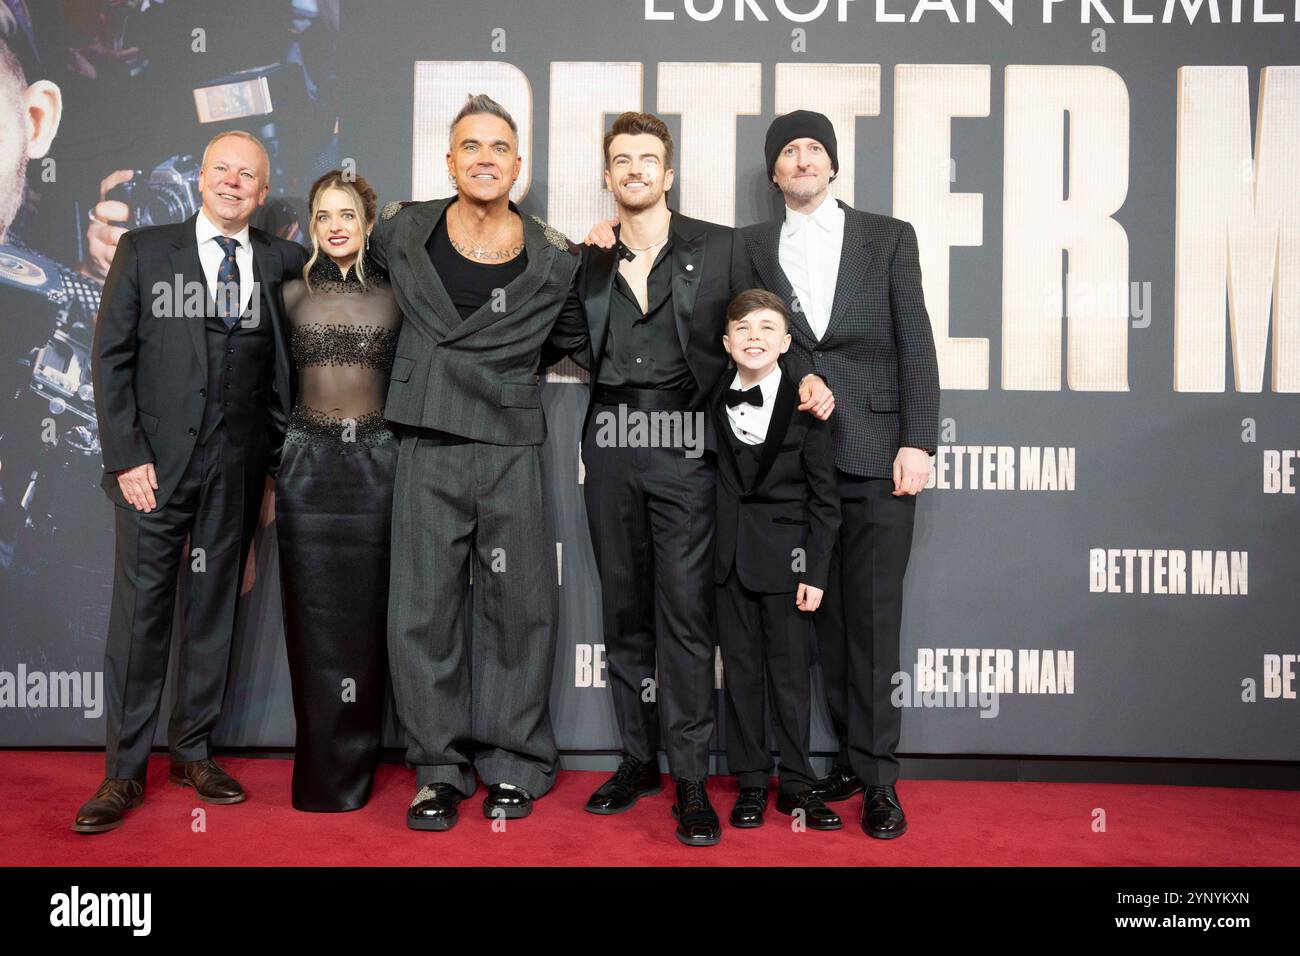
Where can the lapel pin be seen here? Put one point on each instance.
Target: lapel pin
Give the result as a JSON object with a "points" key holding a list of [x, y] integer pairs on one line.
{"points": [[689, 267]]}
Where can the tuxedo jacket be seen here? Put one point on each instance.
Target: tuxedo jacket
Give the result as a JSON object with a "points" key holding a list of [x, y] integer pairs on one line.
{"points": [[150, 365], [793, 503], [475, 377], [707, 266], [877, 353]]}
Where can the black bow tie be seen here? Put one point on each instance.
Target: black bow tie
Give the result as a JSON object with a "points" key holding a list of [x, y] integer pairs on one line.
{"points": [[754, 396]]}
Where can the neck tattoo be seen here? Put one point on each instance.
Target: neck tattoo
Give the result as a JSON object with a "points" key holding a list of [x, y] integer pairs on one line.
{"points": [[481, 250]]}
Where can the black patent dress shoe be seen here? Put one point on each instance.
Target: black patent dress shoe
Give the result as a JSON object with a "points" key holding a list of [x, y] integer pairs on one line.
{"points": [[105, 810], [697, 823], [434, 807], [816, 815], [840, 784], [633, 780], [882, 814], [507, 800], [210, 782], [749, 807]]}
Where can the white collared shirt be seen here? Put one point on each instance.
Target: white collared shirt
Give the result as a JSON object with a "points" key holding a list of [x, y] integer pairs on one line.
{"points": [[748, 421], [810, 257], [211, 254]]}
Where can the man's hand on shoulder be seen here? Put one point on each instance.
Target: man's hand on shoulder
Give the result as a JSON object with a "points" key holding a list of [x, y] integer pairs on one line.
{"points": [[911, 471], [602, 234]]}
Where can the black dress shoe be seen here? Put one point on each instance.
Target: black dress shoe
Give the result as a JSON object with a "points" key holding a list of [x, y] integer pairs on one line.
{"points": [[816, 814], [210, 782], [882, 814], [840, 784], [697, 823], [105, 810], [434, 807], [632, 781], [512, 802], [750, 804]]}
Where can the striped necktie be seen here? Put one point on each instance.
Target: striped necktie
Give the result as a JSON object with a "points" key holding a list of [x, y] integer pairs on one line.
{"points": [[227, 291]]}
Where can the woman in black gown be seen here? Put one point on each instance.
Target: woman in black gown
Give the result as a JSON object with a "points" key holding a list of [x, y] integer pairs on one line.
{"points": [[334, 501]]}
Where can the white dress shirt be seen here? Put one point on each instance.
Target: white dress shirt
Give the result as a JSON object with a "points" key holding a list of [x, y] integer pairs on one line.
{"points": [[211, 254], [748, 422], [810, 257]]}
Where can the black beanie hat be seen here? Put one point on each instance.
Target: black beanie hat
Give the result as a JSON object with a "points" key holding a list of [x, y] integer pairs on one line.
{"points": [[797, 125]]}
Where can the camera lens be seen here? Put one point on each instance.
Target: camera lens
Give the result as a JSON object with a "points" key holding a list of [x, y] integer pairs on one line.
{"points": [[166, 204]]}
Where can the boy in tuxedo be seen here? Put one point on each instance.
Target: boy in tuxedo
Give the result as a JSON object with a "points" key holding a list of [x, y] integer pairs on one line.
{"points": [[778, 512]]}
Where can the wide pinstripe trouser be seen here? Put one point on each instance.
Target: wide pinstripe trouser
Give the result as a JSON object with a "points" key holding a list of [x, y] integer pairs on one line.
{"points": [[473, 700]]}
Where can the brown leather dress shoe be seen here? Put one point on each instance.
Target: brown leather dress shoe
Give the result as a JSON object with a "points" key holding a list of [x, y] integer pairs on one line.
{"points": [[105, 810], [210, 782]]}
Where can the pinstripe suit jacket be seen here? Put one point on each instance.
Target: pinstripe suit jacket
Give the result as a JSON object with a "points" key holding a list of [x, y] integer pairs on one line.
{"points": [[475, 377], [877, 354]]}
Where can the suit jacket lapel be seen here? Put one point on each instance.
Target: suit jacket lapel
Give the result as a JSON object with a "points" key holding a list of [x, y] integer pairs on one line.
{"points": [[782, 410], [764, 242], [520, 289], [185, 263], [688, 265], [426, 276], [263, 266], [722, 428], [855, 257]]}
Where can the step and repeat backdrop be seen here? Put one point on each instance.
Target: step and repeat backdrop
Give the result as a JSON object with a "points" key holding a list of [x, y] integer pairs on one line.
{"points": [[1107, 199]]}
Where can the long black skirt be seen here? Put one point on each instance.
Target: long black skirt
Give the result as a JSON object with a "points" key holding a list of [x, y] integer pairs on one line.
{"points": [[333, 504]]}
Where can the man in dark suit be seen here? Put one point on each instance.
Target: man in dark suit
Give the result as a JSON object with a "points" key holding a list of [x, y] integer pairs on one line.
{"points": [[777, 518], [655, 302], [481, 288], [853, 283], [192, 390]]}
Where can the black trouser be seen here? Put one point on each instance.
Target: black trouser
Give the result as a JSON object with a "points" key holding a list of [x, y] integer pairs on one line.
{"points": [[216, 504], [858, 624], [651, 515], [764, 640]]}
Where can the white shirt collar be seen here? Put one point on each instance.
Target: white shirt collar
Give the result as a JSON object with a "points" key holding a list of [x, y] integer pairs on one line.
{"points": [[768, 384], [828, 215], [204, 230]]}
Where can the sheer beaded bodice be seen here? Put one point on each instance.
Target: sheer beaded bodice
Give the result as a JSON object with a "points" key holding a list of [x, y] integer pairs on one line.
{"points": [[342, 341]]}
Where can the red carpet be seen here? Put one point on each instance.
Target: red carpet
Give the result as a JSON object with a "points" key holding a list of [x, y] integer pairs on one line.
{"points": [[951, 824]]}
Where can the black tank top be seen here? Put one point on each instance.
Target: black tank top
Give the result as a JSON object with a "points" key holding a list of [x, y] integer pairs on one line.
{"points": [[469, 283]]}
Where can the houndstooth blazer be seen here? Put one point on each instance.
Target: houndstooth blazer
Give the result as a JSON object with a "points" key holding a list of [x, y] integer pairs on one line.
{"points": [[877, 354]]}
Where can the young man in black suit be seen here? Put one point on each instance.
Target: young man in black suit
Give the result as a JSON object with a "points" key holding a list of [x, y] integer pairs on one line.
{"points": [[778, 511]]}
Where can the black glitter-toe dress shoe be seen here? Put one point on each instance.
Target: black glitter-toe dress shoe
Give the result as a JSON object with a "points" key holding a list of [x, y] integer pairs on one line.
{"points": [[697, 823], [840, 784], [633, 780], [749, 807], [507, 800], [882, 814], [434, 807], [816, 814]]}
